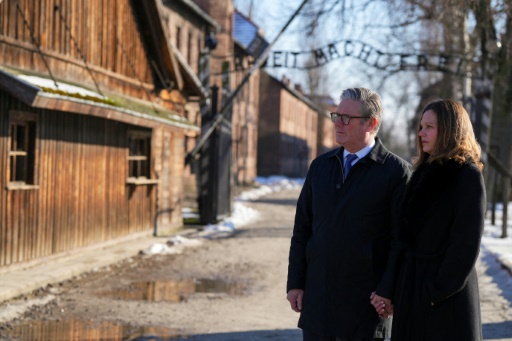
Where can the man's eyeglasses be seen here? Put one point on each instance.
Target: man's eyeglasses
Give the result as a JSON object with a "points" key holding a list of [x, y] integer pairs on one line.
{"points": [[345, 119]]}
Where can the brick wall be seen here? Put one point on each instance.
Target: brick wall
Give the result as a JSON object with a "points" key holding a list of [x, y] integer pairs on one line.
{"points": [[287, 131]]}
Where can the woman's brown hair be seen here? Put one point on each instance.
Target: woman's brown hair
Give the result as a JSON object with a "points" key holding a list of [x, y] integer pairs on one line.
{"points": [[455, 137]]}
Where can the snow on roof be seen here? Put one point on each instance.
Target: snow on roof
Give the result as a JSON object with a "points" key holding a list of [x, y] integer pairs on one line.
{"points": [[50, 84]]}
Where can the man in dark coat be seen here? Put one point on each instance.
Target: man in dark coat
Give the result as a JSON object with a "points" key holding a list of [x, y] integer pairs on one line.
{"points": [[344, 224]]}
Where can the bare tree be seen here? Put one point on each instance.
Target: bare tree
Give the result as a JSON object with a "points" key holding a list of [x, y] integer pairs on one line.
{"points": [[487, 89], [480, 31], [499, 64]]}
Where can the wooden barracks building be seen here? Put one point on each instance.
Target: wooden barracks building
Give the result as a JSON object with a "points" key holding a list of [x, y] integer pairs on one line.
{"points": [[92, 124], [100, 103]]}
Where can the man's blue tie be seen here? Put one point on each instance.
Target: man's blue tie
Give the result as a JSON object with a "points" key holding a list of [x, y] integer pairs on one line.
{"points": [[348, 163]]}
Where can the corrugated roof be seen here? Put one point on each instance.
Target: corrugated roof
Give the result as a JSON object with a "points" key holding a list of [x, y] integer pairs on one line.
{"points": [[244, 31], [246, 34]]}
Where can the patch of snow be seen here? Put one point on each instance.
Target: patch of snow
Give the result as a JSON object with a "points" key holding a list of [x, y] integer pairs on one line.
{"points": [[48, 83]]}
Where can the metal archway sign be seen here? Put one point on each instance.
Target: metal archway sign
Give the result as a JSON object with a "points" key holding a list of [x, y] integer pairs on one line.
{"points": [[391, 62]]}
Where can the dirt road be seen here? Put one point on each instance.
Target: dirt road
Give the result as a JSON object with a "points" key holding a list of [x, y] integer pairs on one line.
{"points": [[225, 289]]}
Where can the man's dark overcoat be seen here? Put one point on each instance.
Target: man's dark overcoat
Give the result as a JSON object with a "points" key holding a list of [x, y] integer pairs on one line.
{"points": [[436, 297], [341, 241]]}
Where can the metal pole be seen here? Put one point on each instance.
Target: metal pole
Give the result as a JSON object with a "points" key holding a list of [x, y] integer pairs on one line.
{"points": [[229, 101]]}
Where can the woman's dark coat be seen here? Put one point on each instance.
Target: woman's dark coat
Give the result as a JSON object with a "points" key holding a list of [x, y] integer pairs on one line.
{"points": [[341, 241], [436, 297]]}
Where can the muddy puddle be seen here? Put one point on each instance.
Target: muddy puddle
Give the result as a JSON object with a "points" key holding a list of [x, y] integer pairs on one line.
{"points": [[176, 291], [82, 330], [166, 290]]}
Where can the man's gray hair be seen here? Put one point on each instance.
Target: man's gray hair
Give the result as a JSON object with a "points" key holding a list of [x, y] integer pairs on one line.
{"points": [[371, 104]]}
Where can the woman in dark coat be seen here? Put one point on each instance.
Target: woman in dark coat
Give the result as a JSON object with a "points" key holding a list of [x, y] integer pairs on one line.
{"points": [[436, 294]]}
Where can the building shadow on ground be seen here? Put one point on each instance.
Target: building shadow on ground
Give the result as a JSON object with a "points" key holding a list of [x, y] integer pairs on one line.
{"points": [[267, 232], [286, 202], [499, 274], [497, 330], [252, 335], [502, 278]]}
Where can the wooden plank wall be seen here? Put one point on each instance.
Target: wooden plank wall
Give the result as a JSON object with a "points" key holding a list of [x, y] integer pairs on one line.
{"points": [[103, 32], [82, 199]]}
